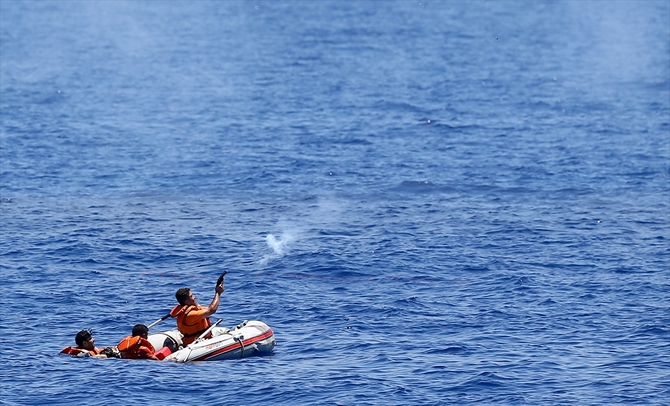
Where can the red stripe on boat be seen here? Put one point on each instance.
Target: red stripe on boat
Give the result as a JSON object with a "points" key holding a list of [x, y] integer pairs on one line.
{"points": [[235, 346]]}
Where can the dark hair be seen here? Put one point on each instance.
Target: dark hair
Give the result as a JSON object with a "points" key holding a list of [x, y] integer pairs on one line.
{"points": [[83, 335], [140, 330], [182, 294]]}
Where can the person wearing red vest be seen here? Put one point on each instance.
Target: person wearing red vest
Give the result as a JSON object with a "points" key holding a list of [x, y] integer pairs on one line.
{"points": [[192, 319], [85, 346], [137, 346]]}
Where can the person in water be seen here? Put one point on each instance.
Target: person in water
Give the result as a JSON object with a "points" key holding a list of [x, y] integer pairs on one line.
{"points": [[86, 347], [192, 319], [137, 345]]}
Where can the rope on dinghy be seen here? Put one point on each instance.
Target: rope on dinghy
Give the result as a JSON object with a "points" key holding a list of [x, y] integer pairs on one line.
{"points": [[240, 339]]}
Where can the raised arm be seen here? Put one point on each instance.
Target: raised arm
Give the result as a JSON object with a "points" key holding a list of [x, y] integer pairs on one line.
{"points": [[214, 306]]}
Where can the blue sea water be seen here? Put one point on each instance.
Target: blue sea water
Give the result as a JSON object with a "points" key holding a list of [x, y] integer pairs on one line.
{"points": [[431, 203]]}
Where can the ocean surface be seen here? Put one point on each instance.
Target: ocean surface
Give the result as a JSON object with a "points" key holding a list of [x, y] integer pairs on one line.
{"points": [[430, 203]]}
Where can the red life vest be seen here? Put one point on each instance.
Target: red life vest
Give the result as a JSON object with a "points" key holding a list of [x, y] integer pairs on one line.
{"points": [[131, 347], [190, 331], [80, 352]]}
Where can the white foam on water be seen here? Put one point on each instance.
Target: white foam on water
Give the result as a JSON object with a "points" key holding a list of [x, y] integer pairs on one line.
{"points": [[324, 215], [279, 246]]}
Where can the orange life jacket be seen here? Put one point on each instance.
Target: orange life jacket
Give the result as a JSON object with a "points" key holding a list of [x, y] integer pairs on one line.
{"points": [[190, 331], [80, 352], [129, 347]]}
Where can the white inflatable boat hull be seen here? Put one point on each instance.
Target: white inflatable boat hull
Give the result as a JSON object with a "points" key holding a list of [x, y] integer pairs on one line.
{"points": [[245, 340]]}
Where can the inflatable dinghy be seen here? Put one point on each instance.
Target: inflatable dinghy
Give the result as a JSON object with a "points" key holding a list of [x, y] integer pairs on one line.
{"points": [[245, 340]]}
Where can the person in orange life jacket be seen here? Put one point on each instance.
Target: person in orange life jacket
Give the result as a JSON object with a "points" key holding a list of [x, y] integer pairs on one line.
{"points": [[85, 346], [137, 346], [192, 319]]}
